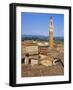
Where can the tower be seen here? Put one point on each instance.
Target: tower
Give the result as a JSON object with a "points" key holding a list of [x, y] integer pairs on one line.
{"points": [[51, 27]]}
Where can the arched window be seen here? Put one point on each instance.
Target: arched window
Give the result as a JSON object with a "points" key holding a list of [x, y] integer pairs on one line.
{"points": [[23, 60], [29, 61]]}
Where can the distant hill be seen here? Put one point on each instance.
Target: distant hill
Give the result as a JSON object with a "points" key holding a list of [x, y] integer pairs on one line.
{"points": [[40, 38]]}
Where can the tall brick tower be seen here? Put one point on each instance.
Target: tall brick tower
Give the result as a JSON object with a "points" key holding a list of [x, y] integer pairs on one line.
{"points": [[51, 27]]}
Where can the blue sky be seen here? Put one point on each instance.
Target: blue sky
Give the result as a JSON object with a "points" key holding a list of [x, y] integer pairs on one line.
{"points": [[38, 24]]}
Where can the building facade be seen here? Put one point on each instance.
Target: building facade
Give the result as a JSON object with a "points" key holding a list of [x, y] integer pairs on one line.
{"points": [[29, 52]]}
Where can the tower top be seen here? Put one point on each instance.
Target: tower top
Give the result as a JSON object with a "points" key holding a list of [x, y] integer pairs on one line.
{"points": [[51, 23], [51, 17]]}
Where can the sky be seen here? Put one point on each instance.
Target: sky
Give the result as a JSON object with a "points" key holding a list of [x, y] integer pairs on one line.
{"points": [[38, 24]]}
